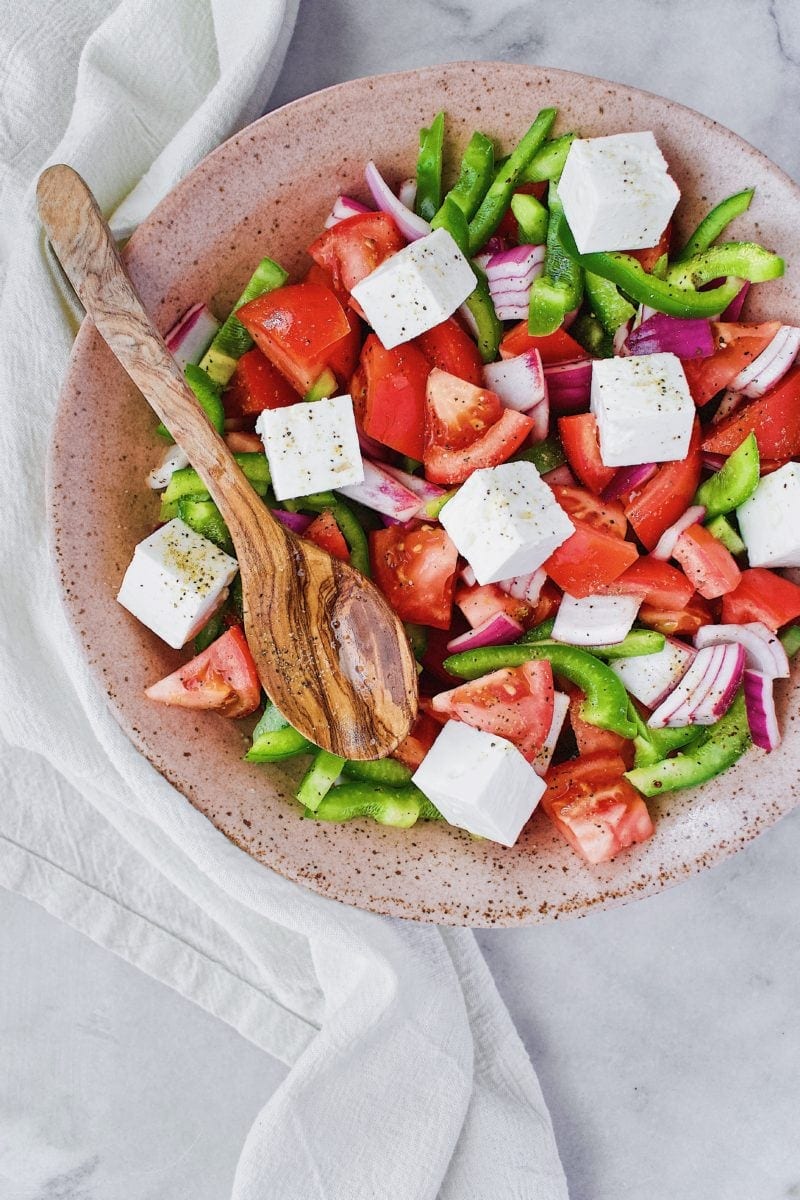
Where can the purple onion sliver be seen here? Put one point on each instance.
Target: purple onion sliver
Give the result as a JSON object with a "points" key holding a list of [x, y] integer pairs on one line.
{"points": [[628, 478], [760, 705], [497, 630], [297, 522], [660, 334], [344, 207], [734, 310], [714, 462], [410, 225]]}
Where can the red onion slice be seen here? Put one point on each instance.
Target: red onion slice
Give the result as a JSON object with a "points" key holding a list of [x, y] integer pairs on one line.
{"points": [[762, 648], [496, 630], [719, 697], [728, 404], [561, 476], [540, 415], [297, 522], [510, 274], [595, 620], [410, 225], [759, 701], [415, 483], [468, 575], [372, 448], [190, 337], [407, 193], [519, 381], [705, 692], [666, 543], [383, 494], [545, 755], [628, 478], [620, 338], [651, 677], [770, 366], [523, 587], [734, 310], [660, 334], [569, 386], [344, 207]]}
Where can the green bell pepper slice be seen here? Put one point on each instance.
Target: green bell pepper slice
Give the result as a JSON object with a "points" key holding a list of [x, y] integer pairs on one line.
{"points": [[560, 288], [653, 745], [489, 330], [790, 640], [274, 739], [717, 748], [635, 644], [207, 394], [722, 529], [608, 305], [210, 631], [451, 217], [532, 218], [389, 772], [733, 483], [731, 260], [417, 636], [322, 388], [545, 456], [588, 332], [232, 340], [474, 177], [204, 518], [186, 481], [664, 296], [319, 779], [714, 223], [429, 169], [398, 807], [548, 162], [495, 202]]}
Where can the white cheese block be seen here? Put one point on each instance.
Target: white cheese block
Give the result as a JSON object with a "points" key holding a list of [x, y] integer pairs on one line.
{"points": [[644, 409], [505, 521], [480, 782], [617, 192], [311, 447], [415, 289], [175, 581], [770, 520]]}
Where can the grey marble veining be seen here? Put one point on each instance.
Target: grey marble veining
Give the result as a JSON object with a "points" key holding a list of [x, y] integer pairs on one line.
{"points": [[666, 1033]]}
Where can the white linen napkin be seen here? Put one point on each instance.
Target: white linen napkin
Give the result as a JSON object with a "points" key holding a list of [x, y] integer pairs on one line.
{"points": [[408, 1079]]}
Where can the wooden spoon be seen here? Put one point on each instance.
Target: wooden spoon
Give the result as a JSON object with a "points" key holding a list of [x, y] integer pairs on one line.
{"points": [[330, 652]]}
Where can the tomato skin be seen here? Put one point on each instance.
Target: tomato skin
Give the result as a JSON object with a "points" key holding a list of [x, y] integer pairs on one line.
{"points": [[592, 740], [451, 349], [650, 256], [416, 571], [393, 405], [582, 505], [589, 559], [682, 621], [457, 413], [736, 347], [658, 583], [762, 595], [595, 808], [353, 248], [708, 565], [297, 327], [546, 605], [667, 495], [515, 703], [774, 418], [579, 439], [418, 741], [479, 603], [344, 358], [325, 533], [553, 348], [222, 679], [492, 448], [256, 385]]}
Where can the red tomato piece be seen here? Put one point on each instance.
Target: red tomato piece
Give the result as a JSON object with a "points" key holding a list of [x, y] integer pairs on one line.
{"points": [[592, 740], [298, 327], [546, 605], [325, 533], [650, 256], [353, 248], [553, 348], [344, 358], [256, 385], [436, 652], [223, 679], [762, 595], [667, 495], [239, 441], [418, 741], [589, 559], [686, 620], [515, 703], [492, 448], [708, 565], [416, 571], [774, 418], [595, 808], [480, 603], [736, 345], [582, 505], [579, 438], [657, 582], [457, 413], [451, 349], [394, 396]]}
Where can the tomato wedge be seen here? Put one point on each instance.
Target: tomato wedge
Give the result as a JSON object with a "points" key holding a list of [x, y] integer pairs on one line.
{"points": [[579, 439], [736, 347], [256, 385], [708, 565], [667, 495], [774, 418], [416, 571], [592, 740], [589, 559], [393, 406], [650, 256], [298, 327], [595, 808], [515, 703], [658, 583], [553, 348], [480, 603], [762, 595], [325, 533], [670, 621], [352, 249], [223, 679], [583, 505], [451, 349], [343, 360], [418, 741]]}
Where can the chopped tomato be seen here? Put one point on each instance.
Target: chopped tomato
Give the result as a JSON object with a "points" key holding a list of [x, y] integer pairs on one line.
{"points": [[239, 441], [595, 808], [256, 385], [223, 679], [708, 565], [353, 248], [579, 438], [450, 454], [774, 418], [553, 348], [582, 505], [394, 396], [686, 620], [457, 413], [667, 495], [546, 605], [515, 703], [658, 583], [762, 595], [451, 349], [344, 359], [736, 345], [325, 533], [591, 739], [416, 744], [589, 559], [650, 256], [416, 571], [298, 327], [480, 603]]}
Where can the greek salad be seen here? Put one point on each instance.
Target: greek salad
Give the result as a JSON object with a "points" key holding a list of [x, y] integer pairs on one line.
{"points": [[542, 423]]}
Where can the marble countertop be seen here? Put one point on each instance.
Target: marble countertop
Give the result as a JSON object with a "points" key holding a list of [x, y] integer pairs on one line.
{"points": [[665, 1033]]}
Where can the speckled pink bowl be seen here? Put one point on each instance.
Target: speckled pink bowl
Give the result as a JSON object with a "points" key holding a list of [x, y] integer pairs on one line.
{"points": [[267, 191]]}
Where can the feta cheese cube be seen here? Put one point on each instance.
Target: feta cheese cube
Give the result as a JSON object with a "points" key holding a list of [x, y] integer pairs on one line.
{"points": [[175, 581], [644, 409], [311, 447], [479, 782], [415, 289], [617, 192], [770, 520], [505, 521]]}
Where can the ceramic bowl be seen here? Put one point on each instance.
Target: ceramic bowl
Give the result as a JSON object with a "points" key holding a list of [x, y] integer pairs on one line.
{"points": [[267, 191]]}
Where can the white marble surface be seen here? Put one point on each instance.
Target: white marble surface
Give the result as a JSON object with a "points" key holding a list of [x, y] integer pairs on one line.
{"points": [[666, 1034]]}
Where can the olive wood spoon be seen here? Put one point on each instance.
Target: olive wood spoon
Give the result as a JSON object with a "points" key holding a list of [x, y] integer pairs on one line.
{"points": [[330, 652]]}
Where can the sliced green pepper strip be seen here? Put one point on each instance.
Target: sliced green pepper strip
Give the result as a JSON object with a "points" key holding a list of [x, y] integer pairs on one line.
{"points": [[274, 739], [474, 178], [652, 745], [496, 201], [186, 481], [589, 333], [489, 331], [715, 750], [790, 640], [714, 223], [204, 518], [429, 169], [432, 508], [548, 162], [387, 771], [451, 217], [740, 260], [733, 483], [355, 537], [666, 297], [606, 702], [722, 529], [417, 636], [634, 645], [313, 502], [232, 340], [325, 386], [397, 807], [545, 456], [610, 308], [208, 396], [532, 218], [319, 779], [560, 288], [543, 632], [210, 632]]}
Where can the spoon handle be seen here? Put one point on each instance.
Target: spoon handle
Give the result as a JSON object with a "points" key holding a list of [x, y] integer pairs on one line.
{"points": [[86, 250]]}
